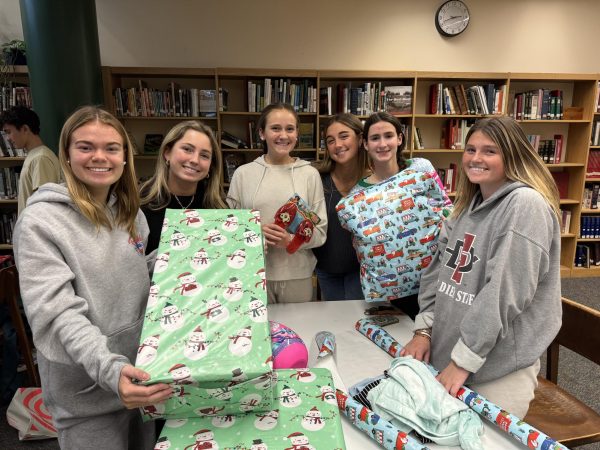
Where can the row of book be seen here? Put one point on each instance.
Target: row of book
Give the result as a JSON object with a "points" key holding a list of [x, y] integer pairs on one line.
{"points": [[7, 225], [365, 99], [9, 182], [589, 227], [595, 140], [550, 150], [590, 196], [7, 148], [593, 166], [565, 223], [418, 139], [142, 101], [448, 175], [538, 104], [454, 133], [302, 95], [458, 99], [13, 95], [587, 255]]}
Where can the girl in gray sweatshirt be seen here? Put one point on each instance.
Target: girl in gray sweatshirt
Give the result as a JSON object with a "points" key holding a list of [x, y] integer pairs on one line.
{"points": [[84, 282], [490, 301]]}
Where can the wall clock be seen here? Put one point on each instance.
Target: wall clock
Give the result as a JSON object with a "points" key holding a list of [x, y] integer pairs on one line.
{"points": [[452, 18]]}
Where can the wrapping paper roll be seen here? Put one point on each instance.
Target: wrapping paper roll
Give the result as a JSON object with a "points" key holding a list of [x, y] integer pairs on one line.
{"points": [[507, 422], [378, 429]]}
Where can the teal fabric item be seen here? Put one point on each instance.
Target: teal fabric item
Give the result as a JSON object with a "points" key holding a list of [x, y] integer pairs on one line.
{"points": [[411, 398]]}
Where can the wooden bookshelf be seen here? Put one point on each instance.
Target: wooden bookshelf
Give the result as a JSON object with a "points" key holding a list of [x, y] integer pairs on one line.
{"points": [[578, 90]]}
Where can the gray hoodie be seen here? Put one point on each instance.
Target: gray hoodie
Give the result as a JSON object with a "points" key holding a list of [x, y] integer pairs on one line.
{"points": [[492, 294], [84, 292], [266, 187]]}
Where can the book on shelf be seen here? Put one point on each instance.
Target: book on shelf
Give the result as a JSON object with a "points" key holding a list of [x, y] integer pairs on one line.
{"points": [[589, 227], [595, 133], [207, 103], [231, 141], [8, 219], [398, 99], [325, 101], [565, 225], [306, 135], [152, 143], [9, 182], [593, 165], [223, 99], [562, 183], [418, 140]]}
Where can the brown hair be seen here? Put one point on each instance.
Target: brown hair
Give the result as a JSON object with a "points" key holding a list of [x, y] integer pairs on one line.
{"points": [[383, 116]]}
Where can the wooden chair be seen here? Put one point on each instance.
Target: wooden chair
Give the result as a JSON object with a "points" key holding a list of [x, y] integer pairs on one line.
{"points": [[553, 410], [9, 294]]}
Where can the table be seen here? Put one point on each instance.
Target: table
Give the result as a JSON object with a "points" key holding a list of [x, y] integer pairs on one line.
{"points": [[358, 358]]}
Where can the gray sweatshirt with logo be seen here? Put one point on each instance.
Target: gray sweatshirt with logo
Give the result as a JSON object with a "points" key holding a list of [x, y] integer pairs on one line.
{"points": [[84, 291], [492, 293]]}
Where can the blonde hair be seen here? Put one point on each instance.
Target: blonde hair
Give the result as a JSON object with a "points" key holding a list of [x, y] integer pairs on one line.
{"points": [[155, 192], [521, 163], [125, 188], [327, 165]]}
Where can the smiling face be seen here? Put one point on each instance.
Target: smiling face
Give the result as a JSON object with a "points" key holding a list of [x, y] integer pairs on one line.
{"points": [[342, 143], [97, 155], [189, 162], [280, 134], [482, 162], [382, 144]]}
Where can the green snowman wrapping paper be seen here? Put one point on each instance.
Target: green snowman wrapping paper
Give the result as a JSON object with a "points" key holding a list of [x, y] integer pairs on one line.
{"points": [[305, 416], [205, 330]]}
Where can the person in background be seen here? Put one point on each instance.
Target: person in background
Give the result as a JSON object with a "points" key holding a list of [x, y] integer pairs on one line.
{"points": [[187, 176], [84, 279], [22, 128], [384, 142], [490, 301], [266, 184], [344, 163]]}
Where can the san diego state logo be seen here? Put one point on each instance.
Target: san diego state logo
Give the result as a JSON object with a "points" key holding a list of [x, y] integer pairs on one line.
{"points": [[462, 257]]}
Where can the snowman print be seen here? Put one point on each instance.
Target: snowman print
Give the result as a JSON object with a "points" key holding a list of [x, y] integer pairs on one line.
{"points": [[267, 421], [153, 411], [299, 442], [328, 395], [258, 444], [304, 376], [223, 421], [289, 398], [221, 394], [165, 225], [249, 402], [214, 237], [230, 224], [175, 423], [257, 310], [237, 376], [192, 218], [200, 261], [162, 262], [263, 279], [313, 420], [204, 440], [147, 351], [234, 290], [181, 374], [196, 347], [163, 443], [171, 318], [255, 216], [251, 239], [215, 311], [237, 259], [241, 343], [188, 286], [179, 241], [263, 382], [153, 295]]}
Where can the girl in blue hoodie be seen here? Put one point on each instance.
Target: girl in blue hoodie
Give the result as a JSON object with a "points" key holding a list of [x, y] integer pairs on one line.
{"points": [[490, 301]]}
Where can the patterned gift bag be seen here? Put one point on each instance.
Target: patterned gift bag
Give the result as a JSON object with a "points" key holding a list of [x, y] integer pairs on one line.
{"points": [[304, 416], [395, 225], [206, 330]]}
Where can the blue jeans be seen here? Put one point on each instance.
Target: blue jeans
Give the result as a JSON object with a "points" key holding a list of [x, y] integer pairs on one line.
{"points": [[342, 286]]}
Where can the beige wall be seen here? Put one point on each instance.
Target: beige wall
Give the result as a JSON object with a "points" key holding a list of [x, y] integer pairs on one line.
{"points": [[504, 35]]}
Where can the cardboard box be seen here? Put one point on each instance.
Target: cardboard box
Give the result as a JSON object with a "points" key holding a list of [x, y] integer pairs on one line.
{"points": [[206, 330]]}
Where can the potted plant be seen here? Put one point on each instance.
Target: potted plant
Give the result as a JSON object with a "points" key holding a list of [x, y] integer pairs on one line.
{"points": [[13, 53]]}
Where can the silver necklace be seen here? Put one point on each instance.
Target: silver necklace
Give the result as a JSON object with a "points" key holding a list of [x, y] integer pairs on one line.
{"points": [[188, 205]]}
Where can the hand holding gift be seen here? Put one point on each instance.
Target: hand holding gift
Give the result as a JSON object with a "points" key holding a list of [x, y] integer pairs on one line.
{"points": [[295, 217]]}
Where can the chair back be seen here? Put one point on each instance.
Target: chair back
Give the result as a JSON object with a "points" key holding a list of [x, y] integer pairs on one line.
{"points": [[9, 294]]}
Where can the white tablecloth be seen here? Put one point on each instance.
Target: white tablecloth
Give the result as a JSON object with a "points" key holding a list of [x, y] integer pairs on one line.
{"points": [[358, 358]]}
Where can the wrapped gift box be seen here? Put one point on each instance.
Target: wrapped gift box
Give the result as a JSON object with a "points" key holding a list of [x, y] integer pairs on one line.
{"points": [[395, 225], [305, 416], [206, 330]]}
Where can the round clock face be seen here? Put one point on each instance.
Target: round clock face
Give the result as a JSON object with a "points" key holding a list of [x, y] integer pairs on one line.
{"points": [[452, 18]]}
